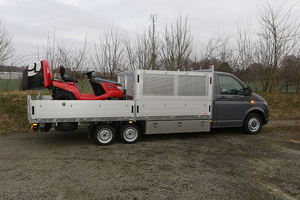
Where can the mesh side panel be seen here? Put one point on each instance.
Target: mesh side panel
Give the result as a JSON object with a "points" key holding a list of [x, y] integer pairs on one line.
{"points": [[200, 86], [146, 85], [158, 85], [191, 86], [130, 85], [122, 81], [185, 86]]}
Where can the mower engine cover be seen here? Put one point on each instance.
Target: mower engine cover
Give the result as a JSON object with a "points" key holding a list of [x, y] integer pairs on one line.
{"points": [[36, 76]]}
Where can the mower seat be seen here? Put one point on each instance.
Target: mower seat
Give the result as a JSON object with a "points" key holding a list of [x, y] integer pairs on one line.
{"points": [[62, 74]]}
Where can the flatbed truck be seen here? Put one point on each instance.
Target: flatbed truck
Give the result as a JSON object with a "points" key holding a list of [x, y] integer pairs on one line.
{"points": [[156, 102]]}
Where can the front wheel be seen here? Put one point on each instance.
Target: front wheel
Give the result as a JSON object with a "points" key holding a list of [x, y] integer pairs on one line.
{"points": [[129, 133], [253, 124], [104, 135]]}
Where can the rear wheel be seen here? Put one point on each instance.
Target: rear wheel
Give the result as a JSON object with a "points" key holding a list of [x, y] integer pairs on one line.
{"points": [[129, 133], [253, 124], [104, 135], [64, 95]]}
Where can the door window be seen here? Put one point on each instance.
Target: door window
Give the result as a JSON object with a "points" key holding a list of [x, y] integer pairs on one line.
{"points": [[229, 85]]}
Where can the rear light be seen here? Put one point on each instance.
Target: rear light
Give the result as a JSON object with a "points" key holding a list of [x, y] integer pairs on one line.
{"points": [[34, 127]]}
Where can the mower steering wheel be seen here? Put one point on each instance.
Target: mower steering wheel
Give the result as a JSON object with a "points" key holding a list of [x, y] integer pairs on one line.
{"points": [[89, 74]]}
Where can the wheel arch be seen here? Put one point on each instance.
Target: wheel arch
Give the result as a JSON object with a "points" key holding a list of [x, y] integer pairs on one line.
{"points": [[71, 88], [258, 111], [60, 91]]}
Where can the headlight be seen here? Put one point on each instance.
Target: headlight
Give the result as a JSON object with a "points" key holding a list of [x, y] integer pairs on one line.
{"points": [[119, 87]]}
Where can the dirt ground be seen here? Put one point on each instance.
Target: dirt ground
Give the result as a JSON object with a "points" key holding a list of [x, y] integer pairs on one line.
{"points": [[222, 164]]}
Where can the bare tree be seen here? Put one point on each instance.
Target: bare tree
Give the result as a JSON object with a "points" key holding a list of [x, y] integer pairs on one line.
{"points": [[213, 51], [6, 44], [245, 45], [177, 45], [8, 60], [278, 35], [290, 72], [143, 51], [79, 61], [54, 53], [109, 54], [74, 59], [296, 72], [130, 54], [287, 72], [153, 35]]}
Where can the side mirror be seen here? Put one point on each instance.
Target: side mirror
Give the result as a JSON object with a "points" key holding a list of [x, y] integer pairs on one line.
{"points": [[247, 91]]}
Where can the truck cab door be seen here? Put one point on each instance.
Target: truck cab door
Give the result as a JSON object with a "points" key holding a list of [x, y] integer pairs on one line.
{"points": [[230, 102]]}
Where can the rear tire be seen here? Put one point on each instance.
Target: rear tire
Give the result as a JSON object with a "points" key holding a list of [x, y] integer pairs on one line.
{"points": [[129, 133], [252, 124], [64, 95], [104, 135]]}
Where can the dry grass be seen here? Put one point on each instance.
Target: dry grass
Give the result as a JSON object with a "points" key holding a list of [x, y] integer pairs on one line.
{"points": [[283, 105], [13, 111]]}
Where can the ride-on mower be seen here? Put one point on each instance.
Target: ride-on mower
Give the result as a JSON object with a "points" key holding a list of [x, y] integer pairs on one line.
{"points": [[38, 76]]}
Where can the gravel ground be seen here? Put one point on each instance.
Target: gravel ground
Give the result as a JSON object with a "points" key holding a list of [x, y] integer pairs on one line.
{"points": [[223, 164]]}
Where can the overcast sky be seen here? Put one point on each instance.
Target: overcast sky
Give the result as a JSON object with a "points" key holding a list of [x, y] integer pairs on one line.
{"points": [[30, 21]]}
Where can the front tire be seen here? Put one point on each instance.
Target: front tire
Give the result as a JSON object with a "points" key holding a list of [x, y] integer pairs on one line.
{"points": [[129, 133], [252, 124], [104, 135]]}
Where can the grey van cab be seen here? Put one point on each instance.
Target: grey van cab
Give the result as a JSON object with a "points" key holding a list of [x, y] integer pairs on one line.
{"points": [[235, 105]]}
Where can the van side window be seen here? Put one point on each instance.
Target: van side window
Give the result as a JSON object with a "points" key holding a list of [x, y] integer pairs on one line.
{"points": [[229, 85]]}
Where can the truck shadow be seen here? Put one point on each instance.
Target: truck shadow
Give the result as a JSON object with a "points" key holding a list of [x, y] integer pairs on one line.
{"points": [[184, 136], [81, 136], [65, 138]]}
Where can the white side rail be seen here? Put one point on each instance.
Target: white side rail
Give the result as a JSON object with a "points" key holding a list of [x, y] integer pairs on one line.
{"points": [[51, 111]]}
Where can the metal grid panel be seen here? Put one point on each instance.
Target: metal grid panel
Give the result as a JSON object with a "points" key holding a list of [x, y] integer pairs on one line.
{"points": [[127, 81], [192, 85], [122, 81], [130, 85], [158, 85]]}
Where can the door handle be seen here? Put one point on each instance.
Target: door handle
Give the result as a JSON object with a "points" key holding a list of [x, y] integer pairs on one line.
{"points": [[222, 97]]}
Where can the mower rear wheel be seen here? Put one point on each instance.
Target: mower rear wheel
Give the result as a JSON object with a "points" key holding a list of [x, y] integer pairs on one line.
{"points": [[65, 126], [64, 95]]}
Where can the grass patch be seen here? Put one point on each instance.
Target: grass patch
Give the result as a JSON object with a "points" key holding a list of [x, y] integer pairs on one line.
{"points": [[13, 111], [282, 105], [10, 84]]}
